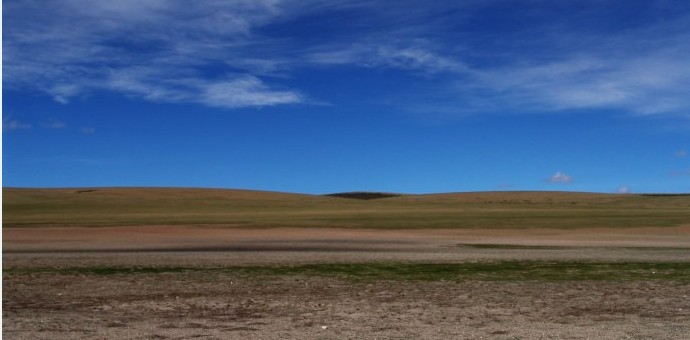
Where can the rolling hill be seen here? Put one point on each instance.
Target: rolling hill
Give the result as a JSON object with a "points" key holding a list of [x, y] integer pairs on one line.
{"points": [[245, 208]]}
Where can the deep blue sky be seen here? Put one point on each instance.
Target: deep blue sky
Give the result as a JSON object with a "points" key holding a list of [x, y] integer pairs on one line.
{"points": [[326, 96]]}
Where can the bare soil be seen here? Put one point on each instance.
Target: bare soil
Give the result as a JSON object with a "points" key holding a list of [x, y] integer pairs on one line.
{"points": [[224, 306], [230, 305]]}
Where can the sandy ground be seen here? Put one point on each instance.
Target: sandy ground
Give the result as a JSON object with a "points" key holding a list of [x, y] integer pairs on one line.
{"points": [[228, 238], [224, 305], [209, 246]]}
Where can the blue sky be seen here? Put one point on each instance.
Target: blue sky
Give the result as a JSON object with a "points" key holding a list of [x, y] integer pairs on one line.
{"points": [[326, 96]]}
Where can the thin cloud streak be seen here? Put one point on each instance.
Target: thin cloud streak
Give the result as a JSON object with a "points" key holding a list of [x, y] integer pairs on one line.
{"points": [[641, 85], [245, 91], [642, 71], [13, 124], [410, 57]]}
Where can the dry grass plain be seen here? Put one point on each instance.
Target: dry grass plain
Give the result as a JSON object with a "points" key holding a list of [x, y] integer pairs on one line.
{"points": [[198, 263]]}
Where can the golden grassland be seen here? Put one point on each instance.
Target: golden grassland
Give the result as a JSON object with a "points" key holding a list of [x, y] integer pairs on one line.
{"points": [[244, 208]]}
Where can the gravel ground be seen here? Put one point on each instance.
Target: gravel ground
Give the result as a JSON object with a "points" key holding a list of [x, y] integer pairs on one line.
{"points": [[216, 304], [219, 305]]}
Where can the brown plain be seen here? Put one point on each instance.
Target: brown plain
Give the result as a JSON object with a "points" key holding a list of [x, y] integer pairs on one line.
{"points": [[47, 233]]}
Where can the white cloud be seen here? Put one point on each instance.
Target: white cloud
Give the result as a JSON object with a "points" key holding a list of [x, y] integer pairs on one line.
{"points": [[681, 153], [245, 91], [623, 190], [88, 130], [560, 177], [62, 92]]}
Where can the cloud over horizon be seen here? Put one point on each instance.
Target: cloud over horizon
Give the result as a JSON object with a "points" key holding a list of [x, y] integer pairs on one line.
{"points": [[560, 178], [623, 190]]}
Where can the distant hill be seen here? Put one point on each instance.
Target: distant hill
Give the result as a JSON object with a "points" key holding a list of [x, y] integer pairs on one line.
{"points": [[96, 207], [363, 195]]}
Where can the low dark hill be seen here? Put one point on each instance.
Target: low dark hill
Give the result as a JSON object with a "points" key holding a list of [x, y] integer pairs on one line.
{"points": [[363, 195]]}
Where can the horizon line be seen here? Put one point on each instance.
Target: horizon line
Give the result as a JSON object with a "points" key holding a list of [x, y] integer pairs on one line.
{"points": [[344, 192]]}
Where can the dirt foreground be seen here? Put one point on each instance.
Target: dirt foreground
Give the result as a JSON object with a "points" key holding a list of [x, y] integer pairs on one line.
{"points": [[45, 297]]}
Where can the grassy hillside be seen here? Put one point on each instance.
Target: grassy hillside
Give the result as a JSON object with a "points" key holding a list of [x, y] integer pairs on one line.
{"points": [[242, 208]]}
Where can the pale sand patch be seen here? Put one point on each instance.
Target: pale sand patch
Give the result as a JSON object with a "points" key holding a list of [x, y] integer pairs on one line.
{"points": [[214, 246], [172, 238]]}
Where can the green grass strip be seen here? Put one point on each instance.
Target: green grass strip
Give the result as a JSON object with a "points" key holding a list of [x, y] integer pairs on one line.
{"points": [[481, 271]]}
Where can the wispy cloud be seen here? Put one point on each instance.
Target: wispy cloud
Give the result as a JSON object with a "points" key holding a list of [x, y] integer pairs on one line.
{"points": [[233, 54], [409, 56], [681, 153], [647, 84], [88, 130], [245, 91], [156, 50], [232, 91], [54, 124], [560, 178], [13, 124]]}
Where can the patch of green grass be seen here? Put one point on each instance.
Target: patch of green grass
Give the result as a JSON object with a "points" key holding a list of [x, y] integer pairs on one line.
{"points": [[508, 246], [540, 247], [480, 271]]}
